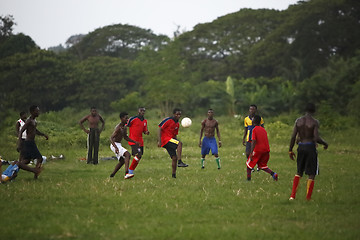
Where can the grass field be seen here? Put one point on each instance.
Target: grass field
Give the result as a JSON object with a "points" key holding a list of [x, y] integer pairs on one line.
{"points": [[73, 200]]}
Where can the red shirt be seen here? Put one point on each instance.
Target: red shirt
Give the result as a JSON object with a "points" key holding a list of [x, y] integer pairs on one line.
{"points": [[136, 129], [169, 130], [262, 143]]}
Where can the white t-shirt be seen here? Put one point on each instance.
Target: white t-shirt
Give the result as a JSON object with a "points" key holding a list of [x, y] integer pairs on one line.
{"points": [[22, 123]]}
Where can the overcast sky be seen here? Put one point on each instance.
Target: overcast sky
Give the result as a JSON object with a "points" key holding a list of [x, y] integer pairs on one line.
{"points": [[51, 22]]}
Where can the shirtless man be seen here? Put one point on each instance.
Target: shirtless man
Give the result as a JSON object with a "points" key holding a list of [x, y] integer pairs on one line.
{"points": [[119, 133], [306, 133], [208, 127], [29, 149], [93, 134]]}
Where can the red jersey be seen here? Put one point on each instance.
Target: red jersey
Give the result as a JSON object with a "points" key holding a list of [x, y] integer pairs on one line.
{"points": [[262, 143], [169, 130], [136, 129]]}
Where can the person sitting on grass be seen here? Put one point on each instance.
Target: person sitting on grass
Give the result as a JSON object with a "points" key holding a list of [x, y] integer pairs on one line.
{"points": [[10, 173], [260, 150]]}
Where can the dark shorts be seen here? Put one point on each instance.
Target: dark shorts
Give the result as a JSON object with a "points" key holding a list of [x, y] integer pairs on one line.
{"points": [[307, 159], [137, 150], [171, 147], [30, 151]]}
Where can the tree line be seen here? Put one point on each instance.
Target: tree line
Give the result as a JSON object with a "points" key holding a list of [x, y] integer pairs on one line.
{"points": [[278, 60]]}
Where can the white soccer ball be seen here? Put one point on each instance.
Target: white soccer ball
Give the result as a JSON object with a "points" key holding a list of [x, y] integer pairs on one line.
{"points": [[186, 122]]}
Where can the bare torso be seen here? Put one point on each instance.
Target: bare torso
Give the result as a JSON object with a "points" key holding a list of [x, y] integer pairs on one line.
{"points": [[93, 121], [119, 133], [30, 129], [307, 127], [209, 127]]}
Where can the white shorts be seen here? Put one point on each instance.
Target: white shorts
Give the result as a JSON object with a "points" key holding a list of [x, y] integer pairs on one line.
{"points": [[122, 150]]}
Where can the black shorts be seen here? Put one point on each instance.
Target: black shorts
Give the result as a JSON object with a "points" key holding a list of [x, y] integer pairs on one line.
{"points": [[136, 150], [171, 147], [30, 151], [307, 159]]}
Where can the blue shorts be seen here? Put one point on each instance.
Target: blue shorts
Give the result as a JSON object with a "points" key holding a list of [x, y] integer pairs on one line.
{"points": [[209, 144]]}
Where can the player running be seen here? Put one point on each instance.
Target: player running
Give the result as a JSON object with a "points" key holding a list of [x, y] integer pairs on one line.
{"points": [[260, 150], [137, 127], [209, 125], [122, 154]]}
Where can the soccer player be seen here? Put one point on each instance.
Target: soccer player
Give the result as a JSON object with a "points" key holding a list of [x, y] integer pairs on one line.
{"points": [[93, 134], [306, 131], [122, 154], [10, 173], [168, 130], [29, 149], [137, 127], [249, 127], [209, 125], [260, 150]]}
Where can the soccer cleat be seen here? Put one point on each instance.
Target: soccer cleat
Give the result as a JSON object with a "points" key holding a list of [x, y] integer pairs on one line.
{"points": [[202, 167], [173, 175], [182, 164], [275, 176], [129, 175], [291, 198]]}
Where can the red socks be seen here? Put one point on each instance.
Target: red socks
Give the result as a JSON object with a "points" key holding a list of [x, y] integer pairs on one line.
{"points": [[134, 163], [309, 188], [295, 185]]}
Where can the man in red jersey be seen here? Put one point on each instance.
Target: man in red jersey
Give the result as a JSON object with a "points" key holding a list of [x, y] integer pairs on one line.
{"points": [[137, 127], [168, 130], [260, 150]]}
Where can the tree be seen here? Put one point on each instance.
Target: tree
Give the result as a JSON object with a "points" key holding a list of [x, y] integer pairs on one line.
{"points": [[123, 41], [6, 26]]}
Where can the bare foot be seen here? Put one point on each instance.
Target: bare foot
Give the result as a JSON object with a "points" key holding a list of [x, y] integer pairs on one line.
{"points": [[37, 172]]}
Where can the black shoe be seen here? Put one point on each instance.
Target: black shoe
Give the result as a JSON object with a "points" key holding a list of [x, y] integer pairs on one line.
{"points": [[173, 175], [182, 164]]}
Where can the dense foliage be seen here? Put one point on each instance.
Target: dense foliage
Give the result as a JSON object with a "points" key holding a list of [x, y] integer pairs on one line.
{"points": [[276, 59]]}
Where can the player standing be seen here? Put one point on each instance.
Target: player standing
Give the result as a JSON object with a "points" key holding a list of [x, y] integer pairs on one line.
{"points": [[168, 131], [209, 125], [260, 150], [307, 130], [137, 127], [249, 127], [93, 134]]}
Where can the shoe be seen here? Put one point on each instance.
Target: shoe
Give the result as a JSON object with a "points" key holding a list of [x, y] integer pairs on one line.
{"points": [[129, 175], [202, 167], [291, 198], [275, 176], [173, 175], [182, 164]]}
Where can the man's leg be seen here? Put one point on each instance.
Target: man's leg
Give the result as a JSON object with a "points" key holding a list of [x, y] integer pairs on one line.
{"points": [[310, 186], [174, 165], [90, 146], [118, 166], [96, 146], [25, 167], [296, 181], [179, 153]]}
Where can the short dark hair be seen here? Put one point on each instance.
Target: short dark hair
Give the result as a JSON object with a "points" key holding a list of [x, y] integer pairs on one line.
{"points": [[92, 108], [123, 114], [256, 119], [176, 110], [22, 113], [310, 107], [253, 105], [32, 108]]}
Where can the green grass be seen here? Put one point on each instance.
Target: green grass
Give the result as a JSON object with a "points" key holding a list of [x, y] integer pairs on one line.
{"points": [[73, 200]]}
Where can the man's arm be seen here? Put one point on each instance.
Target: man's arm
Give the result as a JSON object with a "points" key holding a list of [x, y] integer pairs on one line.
{"points": [[244, 137], [218, 133], [81, 124], [42, 134], [253, 144], [17, 128], [102, 122], [292, 143], [201, 131]]}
